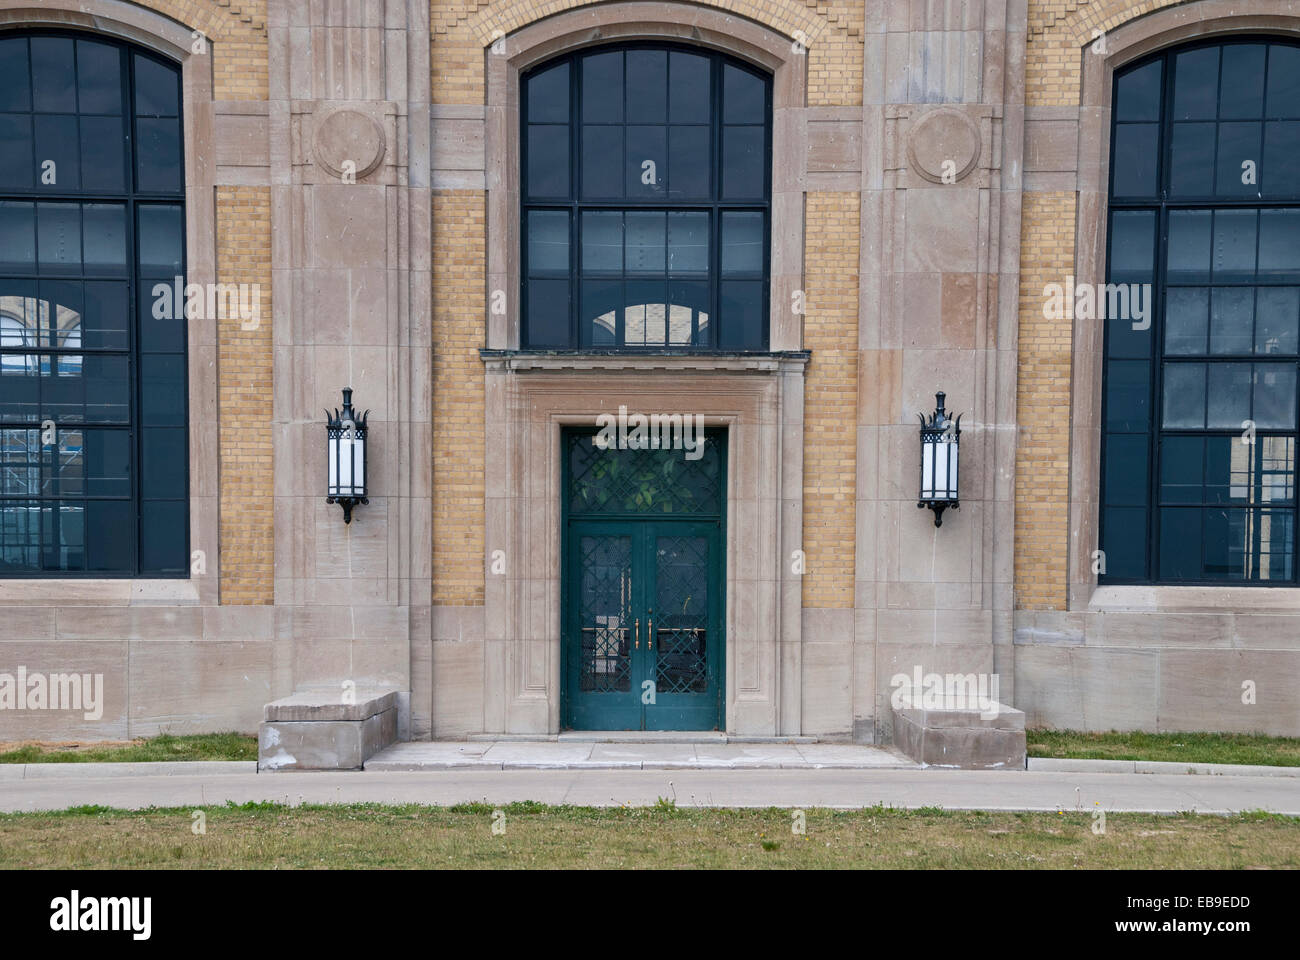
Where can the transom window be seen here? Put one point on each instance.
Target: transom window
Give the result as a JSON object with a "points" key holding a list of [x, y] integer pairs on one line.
{"points": [[1200, 415], [93, 441], [646, 185]]}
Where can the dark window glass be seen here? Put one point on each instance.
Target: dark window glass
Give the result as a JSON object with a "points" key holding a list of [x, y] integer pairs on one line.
{"points": [[108, 495], [654, 158], [1137, 151]]}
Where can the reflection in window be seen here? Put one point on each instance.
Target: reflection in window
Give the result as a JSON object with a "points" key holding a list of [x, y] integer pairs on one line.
{"points": [[1200, 416], [645, 207], [88, 391]]}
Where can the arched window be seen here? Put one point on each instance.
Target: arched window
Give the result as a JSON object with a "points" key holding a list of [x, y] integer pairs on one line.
{"points": [[93, 442], [1199, 416], [646, 180]]}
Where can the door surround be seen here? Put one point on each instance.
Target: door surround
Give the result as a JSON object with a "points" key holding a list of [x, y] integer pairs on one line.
{"points": [[530, 399]]}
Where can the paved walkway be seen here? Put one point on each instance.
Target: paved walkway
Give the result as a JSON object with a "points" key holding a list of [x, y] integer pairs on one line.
{"points": [[844, 788]]}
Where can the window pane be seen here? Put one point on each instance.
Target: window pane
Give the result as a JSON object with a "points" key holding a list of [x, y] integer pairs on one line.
{"points": [[163, 526], [688, 163], [20, 384], [688, 313], [602, 163], [162, 390], [158, 155], [1132, 245], [548, 313], [1189, 246], [1229, 396], [16, 166], [104, 226], [742, 244], [17, 237], [646, 245], [1187, 318], [159, 239], [1124, 539], [1137, 150], [58, 237], [163, 462], [647, 86], [56, 143], [22, 462], [1128, 403], [602, 242], [743, 162], [548, 95], [688, 78], [548, 243], [104, 322], [1126, 459], [647, 162], [96, 463], [1184, 395], [1279, 174], [744, 96], [1279, 244], [15, 89], [1196, 84], [1244, 544], [1283, 81], [601, 302], [1234, 244], [1239, 152], [1275, 396], [602, 88], [1180, 543], [52, 74], [1182, 469], [1191, 165], [86, 389], [1241, 95], [99, 79], [1230, 319], [741, 310], [1277, 312], [1137, 93], [164, 333], [62, 306], [688, 244], [157, 89], [102, 166], [548, 161], [645, 316]]}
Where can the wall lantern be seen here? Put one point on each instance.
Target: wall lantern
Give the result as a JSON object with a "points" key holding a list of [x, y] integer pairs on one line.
{"points": [[939, 442], [346, 449]]}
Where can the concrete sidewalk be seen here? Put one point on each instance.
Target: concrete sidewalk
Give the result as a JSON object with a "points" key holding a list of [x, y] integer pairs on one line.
{"points": [[842, 788]]}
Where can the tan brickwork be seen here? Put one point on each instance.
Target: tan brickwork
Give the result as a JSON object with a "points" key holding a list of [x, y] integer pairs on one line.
{"points": [[235, 32], [459, 271], [831, 32], [244, 358], [830, 409], [1043, 402]]}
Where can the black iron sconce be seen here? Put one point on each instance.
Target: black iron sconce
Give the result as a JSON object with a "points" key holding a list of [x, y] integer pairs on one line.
{"points": [[346, 442], [940, 439]]}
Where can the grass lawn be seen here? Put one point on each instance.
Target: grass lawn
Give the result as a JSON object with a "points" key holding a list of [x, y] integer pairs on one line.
{"points": [[538, 836], [203, 746], [1183, 747]]}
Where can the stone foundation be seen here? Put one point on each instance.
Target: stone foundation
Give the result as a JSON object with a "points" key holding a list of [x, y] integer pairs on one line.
{"points": [[316, 730], [957, 736]]}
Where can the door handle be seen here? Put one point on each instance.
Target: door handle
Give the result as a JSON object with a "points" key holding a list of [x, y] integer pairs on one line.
{"points": [[637, 628], [650, 633]]}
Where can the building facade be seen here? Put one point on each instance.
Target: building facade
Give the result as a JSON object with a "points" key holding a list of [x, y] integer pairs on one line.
{"points": [[526, 234]]}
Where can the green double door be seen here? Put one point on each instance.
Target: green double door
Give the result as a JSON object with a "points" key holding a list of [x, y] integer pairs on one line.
{"points": [[643, 625]]}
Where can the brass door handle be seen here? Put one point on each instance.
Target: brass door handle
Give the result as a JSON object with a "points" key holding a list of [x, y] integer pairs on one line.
{"points": [[650, 633], [637, 623]]}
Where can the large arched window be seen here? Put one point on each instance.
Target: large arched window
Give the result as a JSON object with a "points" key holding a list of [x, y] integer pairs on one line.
{"points": [[1199, 417], [93, 443], [646, 186]]}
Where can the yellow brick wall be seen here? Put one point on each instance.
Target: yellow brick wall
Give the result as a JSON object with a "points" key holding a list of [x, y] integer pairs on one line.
{"points": [[831, 30], [236, 41], [830, 408], [459, 259], [247, 526]]}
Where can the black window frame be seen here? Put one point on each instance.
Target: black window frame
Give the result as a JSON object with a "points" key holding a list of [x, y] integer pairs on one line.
{"points": [[1162, 205], [133, 199], [574, 206]]}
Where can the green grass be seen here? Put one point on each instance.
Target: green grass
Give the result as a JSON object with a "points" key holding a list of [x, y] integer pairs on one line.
{"points": [[1245, 748], [202, 746], [665, 836]]}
